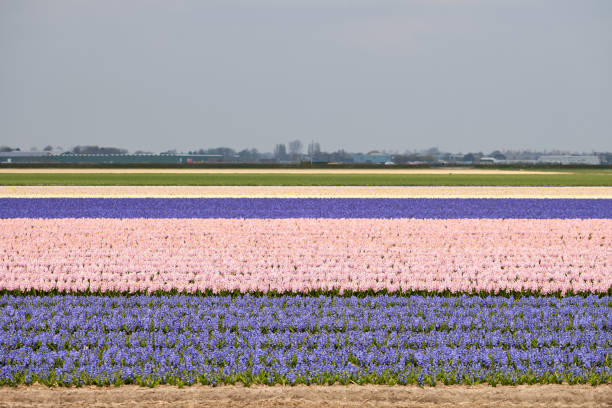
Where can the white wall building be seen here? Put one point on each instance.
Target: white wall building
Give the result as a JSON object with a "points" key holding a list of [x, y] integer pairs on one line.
{"points": [[569, 159]]}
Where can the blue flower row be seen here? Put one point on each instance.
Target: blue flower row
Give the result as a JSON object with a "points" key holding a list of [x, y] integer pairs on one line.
{"points": [[303, 208], [292, 339]]}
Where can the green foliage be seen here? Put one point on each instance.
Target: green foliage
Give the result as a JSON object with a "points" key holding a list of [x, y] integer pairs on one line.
{"points": [[263, 377], [313, 293]]}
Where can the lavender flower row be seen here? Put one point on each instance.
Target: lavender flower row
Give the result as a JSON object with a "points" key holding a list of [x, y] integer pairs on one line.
{"points": [[303, 208], [292, 339]]}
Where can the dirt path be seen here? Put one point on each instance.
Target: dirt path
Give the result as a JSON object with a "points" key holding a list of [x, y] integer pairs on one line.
{"points": [[314, 396], [309, 191]]}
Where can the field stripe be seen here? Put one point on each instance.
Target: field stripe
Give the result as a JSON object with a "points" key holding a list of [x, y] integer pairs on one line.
{"points": [[313, 396], [317, 179], [306, 191], [279, 171], [304, 255], [435, 208]]}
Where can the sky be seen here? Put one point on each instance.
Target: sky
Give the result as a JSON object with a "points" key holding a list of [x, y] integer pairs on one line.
{"points": [[395, 75]]}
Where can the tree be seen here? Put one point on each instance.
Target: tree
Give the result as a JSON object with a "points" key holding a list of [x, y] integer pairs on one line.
{"points": [[248, 155], [98, 150], [472, 157], [498, 155], [340, 156], [224, 151], [400, 159], [280, 151], [469, 157], [432, 151], [314, 150], [295, 149], [48, 148]]}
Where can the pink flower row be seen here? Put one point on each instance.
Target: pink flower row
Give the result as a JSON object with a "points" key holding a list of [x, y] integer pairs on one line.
{"points": [[301, 255]]}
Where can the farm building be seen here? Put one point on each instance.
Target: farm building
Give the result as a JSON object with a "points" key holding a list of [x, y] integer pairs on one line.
{"points": [[570, 159], [374, 157], [46, 157]]}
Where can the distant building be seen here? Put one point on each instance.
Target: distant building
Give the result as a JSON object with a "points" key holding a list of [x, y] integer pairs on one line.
{"points": [[67, 157], [453, 158], [569, 159], [372, 157], [19, 153], [488, 160], [17, 156]]}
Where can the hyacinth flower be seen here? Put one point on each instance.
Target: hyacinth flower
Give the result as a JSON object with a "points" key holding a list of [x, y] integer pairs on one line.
{"points": [[293, 339], [269, 208], [306, 255]]}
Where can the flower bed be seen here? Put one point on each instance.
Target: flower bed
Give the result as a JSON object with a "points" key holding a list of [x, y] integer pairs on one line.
{"points": [[305, 255], [149, 340], [289, 291], [393, 208]]}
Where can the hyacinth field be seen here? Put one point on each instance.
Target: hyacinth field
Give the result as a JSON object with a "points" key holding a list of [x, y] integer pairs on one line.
{"points": [[311, 289]]}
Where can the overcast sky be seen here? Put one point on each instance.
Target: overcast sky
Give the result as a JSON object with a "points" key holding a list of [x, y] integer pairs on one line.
{"points": [[462, 75]]}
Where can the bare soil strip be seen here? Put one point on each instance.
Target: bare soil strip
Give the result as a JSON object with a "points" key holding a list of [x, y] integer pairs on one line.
{"points": [[310, 396], [286, 171], [308, 191]]}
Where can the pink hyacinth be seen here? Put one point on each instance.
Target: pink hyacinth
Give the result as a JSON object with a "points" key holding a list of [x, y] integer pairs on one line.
{"points": [[301, 255]]}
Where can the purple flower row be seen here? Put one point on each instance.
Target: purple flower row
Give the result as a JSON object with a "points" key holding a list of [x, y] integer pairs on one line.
{"points": [[294, 339], [303, 208]]}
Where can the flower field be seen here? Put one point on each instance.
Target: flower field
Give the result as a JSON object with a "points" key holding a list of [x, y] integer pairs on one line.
{"points": [[300, 255], [266, 290], [247, 208], [292, 339]]}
